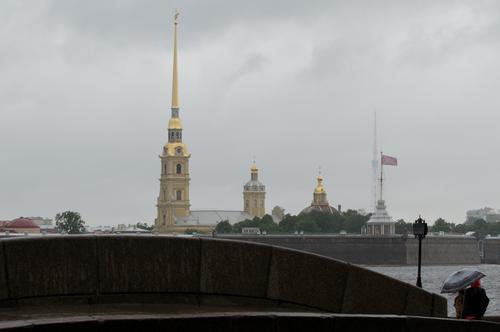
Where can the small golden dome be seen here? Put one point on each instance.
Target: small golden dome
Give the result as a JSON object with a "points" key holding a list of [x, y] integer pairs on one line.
{"points": [[254, 168], [174, 123], [319, 188]]}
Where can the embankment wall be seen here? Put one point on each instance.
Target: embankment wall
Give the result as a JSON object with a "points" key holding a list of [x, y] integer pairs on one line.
{"points": [[380, 250], [491, 251]]}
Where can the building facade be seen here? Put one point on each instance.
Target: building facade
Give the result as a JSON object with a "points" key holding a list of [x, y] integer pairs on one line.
{"points": [[487, 214], [380, 222]]}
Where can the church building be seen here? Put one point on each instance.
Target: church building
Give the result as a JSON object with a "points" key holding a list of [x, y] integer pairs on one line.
{"points": [[174, 214]]}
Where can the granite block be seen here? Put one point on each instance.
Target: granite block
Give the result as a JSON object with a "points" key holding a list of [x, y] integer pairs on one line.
{"points": [[135, 264], [419, 302], [439, 306], [369, 292], [46, 266], [234, 268], [307, 279]]}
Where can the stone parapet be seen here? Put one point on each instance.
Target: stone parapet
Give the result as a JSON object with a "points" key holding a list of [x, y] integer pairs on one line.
{"points": [[107, 269]]}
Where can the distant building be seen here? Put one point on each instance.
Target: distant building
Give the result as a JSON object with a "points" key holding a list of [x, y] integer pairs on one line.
{"points": [[278, 214], [41, 221], [488, 214], [20, 225], [254, 195], [320, 202], [380, 222]]}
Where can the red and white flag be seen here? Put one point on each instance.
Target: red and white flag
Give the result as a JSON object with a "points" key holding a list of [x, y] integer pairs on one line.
{"points": [[389, 161]]}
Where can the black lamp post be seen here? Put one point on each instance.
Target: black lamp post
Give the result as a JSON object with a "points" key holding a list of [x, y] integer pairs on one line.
{"points": [[420, 231]]}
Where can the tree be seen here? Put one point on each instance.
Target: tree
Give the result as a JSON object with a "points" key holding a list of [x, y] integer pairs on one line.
{"points": [[223, 227], [70, 222], [353, 221], [403, 228], [480, 227], [267, 224], [440, 225], [246, 223], [462, 228], [288, 224]]}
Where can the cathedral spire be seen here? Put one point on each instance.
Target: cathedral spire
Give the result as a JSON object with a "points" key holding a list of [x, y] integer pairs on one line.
{"points": [[175, 87], [175, 122]]}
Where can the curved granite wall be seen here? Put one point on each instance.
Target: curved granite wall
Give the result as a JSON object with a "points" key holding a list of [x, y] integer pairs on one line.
{"points": [[103, 269]]}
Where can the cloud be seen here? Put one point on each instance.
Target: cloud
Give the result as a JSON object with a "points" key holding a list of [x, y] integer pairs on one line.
{"points": [[85, 88]]}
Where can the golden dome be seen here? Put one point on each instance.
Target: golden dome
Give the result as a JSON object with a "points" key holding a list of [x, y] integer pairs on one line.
{"points": [[174, 123], [319, 188], [254, 168]]}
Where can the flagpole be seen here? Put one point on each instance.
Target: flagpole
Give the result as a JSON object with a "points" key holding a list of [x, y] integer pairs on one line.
{"points": [[381, 174]]}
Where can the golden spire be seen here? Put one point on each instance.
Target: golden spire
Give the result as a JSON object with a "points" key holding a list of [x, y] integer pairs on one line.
{"points": [[175, 88]]}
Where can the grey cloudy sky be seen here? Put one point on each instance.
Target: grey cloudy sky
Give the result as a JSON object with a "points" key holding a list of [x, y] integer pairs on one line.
{"points": [[85, 100]]}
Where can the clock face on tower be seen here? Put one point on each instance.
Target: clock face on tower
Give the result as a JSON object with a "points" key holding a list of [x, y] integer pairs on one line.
{"points": [[178, 150]]}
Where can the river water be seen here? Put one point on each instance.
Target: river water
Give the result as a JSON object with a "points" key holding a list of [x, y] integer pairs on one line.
{"points": [[434, 276]]}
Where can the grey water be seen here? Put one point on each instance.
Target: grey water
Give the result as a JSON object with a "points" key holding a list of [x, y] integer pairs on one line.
{"points": [[434, 276]]}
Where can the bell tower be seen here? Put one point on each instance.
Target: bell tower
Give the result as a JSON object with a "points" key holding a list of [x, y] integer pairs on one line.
{"points": [[173, 200], [254, 194]]}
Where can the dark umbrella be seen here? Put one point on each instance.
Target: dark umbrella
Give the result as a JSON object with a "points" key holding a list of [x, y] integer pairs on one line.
{"points": [[460, 279]]}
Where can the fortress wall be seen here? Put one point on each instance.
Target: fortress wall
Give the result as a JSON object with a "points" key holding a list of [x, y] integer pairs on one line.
{"points": [[354, 249], [196, 271], [378, 250], [491, 248], [443, 250]]}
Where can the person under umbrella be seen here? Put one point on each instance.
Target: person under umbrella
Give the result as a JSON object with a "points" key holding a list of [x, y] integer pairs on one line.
{"points": [[475, 301], [470, 303]]}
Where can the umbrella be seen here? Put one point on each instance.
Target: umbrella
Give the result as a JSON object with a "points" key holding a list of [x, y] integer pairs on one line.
{"points": [[460, 279]]}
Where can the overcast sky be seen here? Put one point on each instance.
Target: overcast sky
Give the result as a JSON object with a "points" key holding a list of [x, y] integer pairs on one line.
{"points": [[85, 91]]}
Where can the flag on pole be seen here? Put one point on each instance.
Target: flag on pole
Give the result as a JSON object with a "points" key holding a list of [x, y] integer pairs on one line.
{"points": [[389, 161]]}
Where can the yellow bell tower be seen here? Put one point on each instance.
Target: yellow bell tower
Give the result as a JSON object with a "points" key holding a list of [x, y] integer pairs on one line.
{"points": [[173, 200]]}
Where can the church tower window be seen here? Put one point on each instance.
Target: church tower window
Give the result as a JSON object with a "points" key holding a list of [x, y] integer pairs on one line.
{"points": [[178, 195], [179, 169]]}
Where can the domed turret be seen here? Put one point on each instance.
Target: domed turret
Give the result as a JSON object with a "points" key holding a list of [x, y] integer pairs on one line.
{"points": [[320, 202], [254, 194]]}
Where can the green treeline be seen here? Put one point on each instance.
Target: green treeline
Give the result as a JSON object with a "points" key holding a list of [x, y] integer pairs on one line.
{"points": [[349, 221], [479, 226]]}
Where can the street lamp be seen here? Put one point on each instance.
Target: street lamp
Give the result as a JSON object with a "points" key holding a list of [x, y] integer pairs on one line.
{"points": [[420, 231]]}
